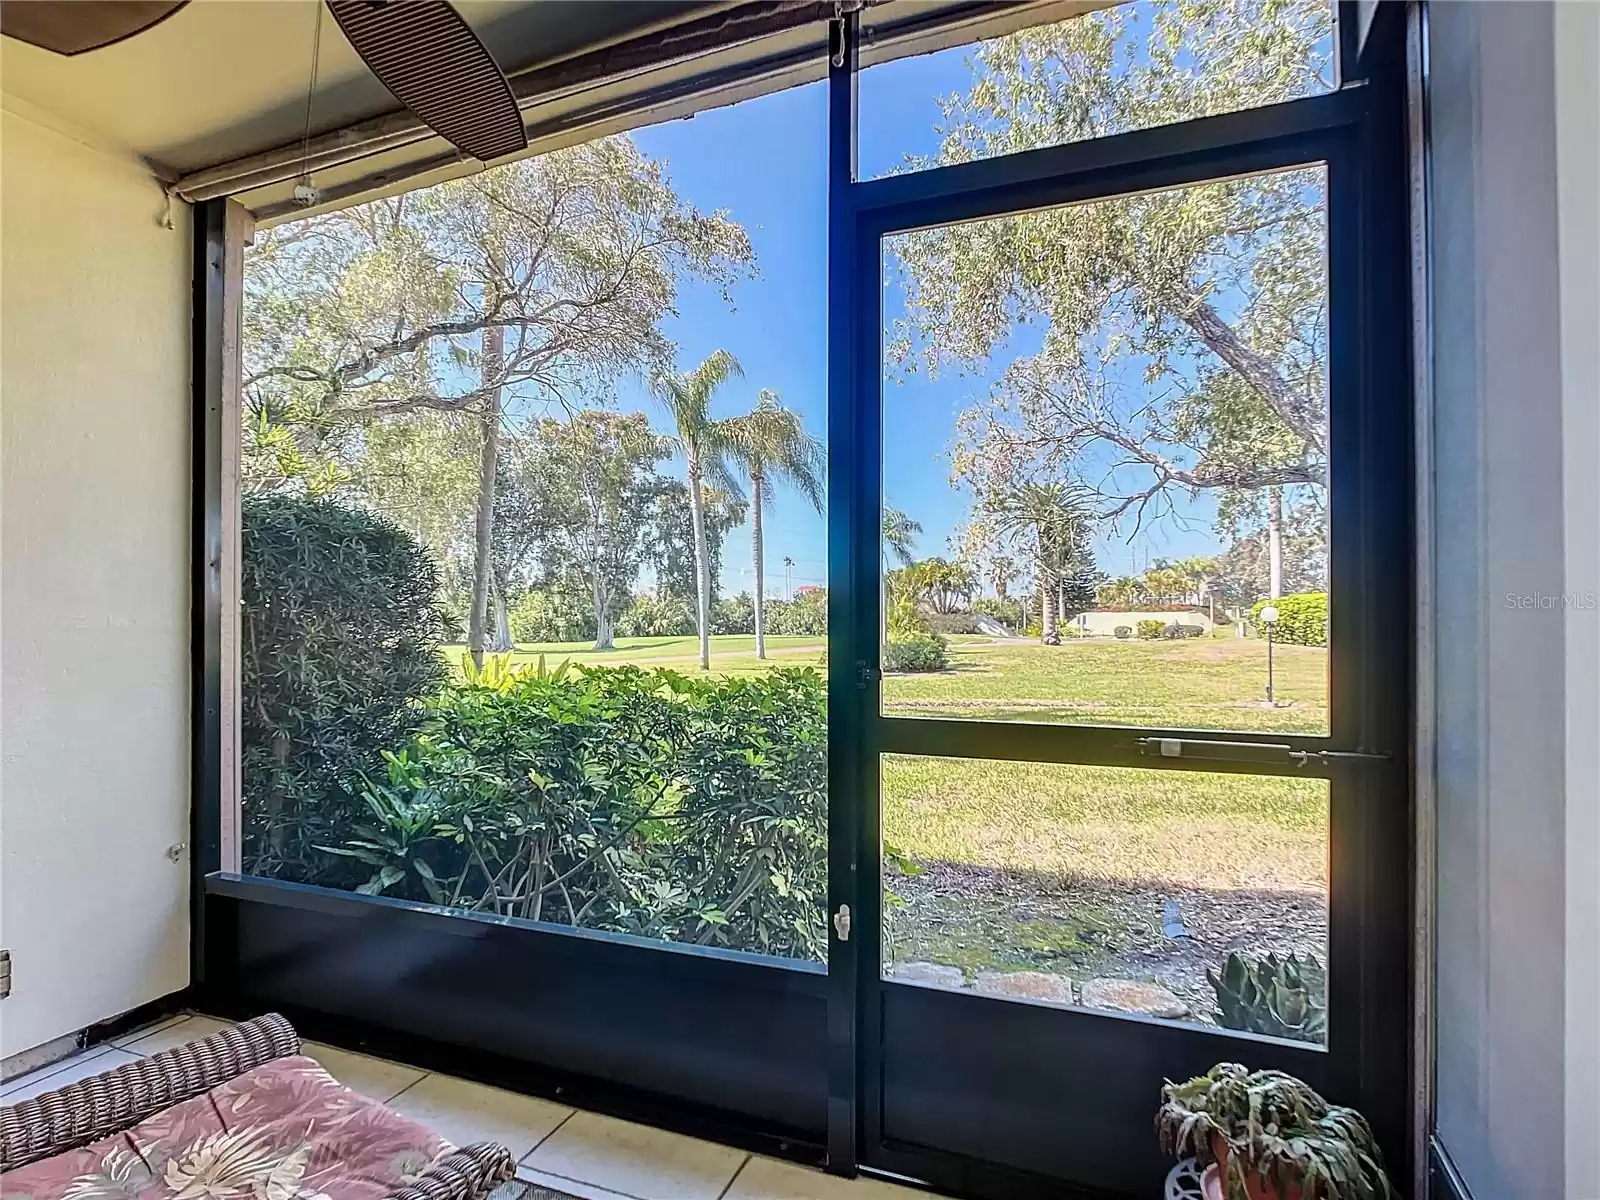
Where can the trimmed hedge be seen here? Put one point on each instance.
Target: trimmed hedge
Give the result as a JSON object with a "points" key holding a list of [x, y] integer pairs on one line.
{"points": [[1302, 619], [1151, 630], [911, 652]]}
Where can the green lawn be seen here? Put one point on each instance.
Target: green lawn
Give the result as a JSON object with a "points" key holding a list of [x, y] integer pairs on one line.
{"points": [[1205, 683], [733, 655]]}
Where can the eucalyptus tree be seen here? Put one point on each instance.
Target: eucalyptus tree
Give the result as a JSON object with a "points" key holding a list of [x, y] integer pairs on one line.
{"points": [[769, 446], [705, 443], [1184, 343], [530, 284]]}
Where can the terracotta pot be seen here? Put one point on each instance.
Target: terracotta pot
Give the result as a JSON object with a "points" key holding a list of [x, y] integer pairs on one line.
{"points": [[1213, 1180]]}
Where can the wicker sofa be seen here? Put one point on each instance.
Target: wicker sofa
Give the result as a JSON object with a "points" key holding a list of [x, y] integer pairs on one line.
{"points": [[237, 1064]]}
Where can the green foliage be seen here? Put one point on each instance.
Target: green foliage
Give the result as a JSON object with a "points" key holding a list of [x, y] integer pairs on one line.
{"points": [[1008, 611], [558, 613], [1123, 631], [1302, 619], [340, 640], [657, 616], [736, 614], [642, 802], [1151, 630], [915, 651], [1275, 1128], [804, 616], [1286, 998]]}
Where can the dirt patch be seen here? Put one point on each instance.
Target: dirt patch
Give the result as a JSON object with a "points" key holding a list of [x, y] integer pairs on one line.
{"points": [[981, 919]]}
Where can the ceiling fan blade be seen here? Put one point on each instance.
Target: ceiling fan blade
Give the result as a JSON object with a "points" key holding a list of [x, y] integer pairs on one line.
{"points": [[433, 62], [76, 26]]}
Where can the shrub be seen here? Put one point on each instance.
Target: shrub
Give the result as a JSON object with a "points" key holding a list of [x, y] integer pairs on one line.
{"points": [[915, 651], [552, 615], [657, 616], [1302, 619], [1189, 631], [736, 614], [642, 802], [1123, 631], [341, 638], [1151, 630], [804, 616]]}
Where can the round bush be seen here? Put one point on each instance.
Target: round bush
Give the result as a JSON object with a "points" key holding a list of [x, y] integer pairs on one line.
{"points": [[1151, 630], [1302, 619], [1123, 631], [915, 652]]}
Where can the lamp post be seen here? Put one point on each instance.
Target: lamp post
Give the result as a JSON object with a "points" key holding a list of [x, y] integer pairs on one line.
{"points": [[1269, 618]]}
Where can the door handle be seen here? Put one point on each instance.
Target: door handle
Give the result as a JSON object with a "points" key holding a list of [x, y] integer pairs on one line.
{"points": [[1248, 752], [841, 922]]}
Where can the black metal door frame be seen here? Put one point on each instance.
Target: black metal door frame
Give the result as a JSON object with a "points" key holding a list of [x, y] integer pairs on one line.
{"points": [[1366, 1060]]}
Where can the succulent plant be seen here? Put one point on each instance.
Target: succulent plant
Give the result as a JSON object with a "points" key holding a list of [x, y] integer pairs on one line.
{"points": [[1276, 1128], [1286, 998]]}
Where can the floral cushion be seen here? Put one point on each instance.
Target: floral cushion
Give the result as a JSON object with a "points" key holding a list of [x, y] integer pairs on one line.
{"points": [[284, 1131]]}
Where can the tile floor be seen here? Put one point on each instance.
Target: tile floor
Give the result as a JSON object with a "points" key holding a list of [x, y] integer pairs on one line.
{"points": [[560, 1150]]}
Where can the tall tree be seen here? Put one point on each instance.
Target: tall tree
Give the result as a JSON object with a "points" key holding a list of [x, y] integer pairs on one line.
{"points": [[669, 538], [704, 443], [597, 481], [531, 283], [1050, 519], [1185, 342], [769, 445]]}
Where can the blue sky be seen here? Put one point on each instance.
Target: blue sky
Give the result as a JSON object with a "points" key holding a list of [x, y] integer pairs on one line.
{"points": [[764, 161]]}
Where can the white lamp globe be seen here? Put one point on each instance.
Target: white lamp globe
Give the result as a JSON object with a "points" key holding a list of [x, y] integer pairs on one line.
{"points": [[1269, 615]]}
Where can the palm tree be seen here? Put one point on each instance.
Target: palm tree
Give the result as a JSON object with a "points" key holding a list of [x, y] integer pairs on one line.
{"points": [[788, 588], [900, 533], [1002, 570], [770, 445], [1053, 515], [703, 442]]}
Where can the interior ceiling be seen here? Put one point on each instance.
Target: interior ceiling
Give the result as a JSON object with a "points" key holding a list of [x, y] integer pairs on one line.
{"points": [[222, 79]]}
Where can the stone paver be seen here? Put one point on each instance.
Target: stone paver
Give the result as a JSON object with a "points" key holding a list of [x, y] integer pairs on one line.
{"points": [[1028, 985], [1134, 996], [937, 974]]}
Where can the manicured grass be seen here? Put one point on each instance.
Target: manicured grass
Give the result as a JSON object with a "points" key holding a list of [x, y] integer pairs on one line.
{"points": [[731, 655], [1125, 824], [1205, 683]]}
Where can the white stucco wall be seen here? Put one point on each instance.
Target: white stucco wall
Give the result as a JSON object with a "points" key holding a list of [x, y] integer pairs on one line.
{"points": [[1516, 265], [94, 622], [1577, 39]]}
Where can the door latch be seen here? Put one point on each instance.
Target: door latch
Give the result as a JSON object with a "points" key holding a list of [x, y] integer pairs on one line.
{"points": [[841, 922]]}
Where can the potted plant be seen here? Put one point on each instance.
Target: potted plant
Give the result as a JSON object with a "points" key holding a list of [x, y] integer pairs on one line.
{"points": [[1265, 1135]]}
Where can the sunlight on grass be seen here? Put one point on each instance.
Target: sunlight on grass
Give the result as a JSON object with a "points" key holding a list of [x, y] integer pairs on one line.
{"points": [[1209, 683], [1113, 823]]}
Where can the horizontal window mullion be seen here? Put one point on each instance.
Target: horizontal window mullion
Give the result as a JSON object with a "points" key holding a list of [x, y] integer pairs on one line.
{"points": [[1290, 134], [1088, 745]]}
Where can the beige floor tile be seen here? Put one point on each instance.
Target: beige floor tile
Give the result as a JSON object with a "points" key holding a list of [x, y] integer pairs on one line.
{"points": [[69, 1070], [636, 1160], [179, 1033], [374, 1077], [463, 1112], [769, 1179]]}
